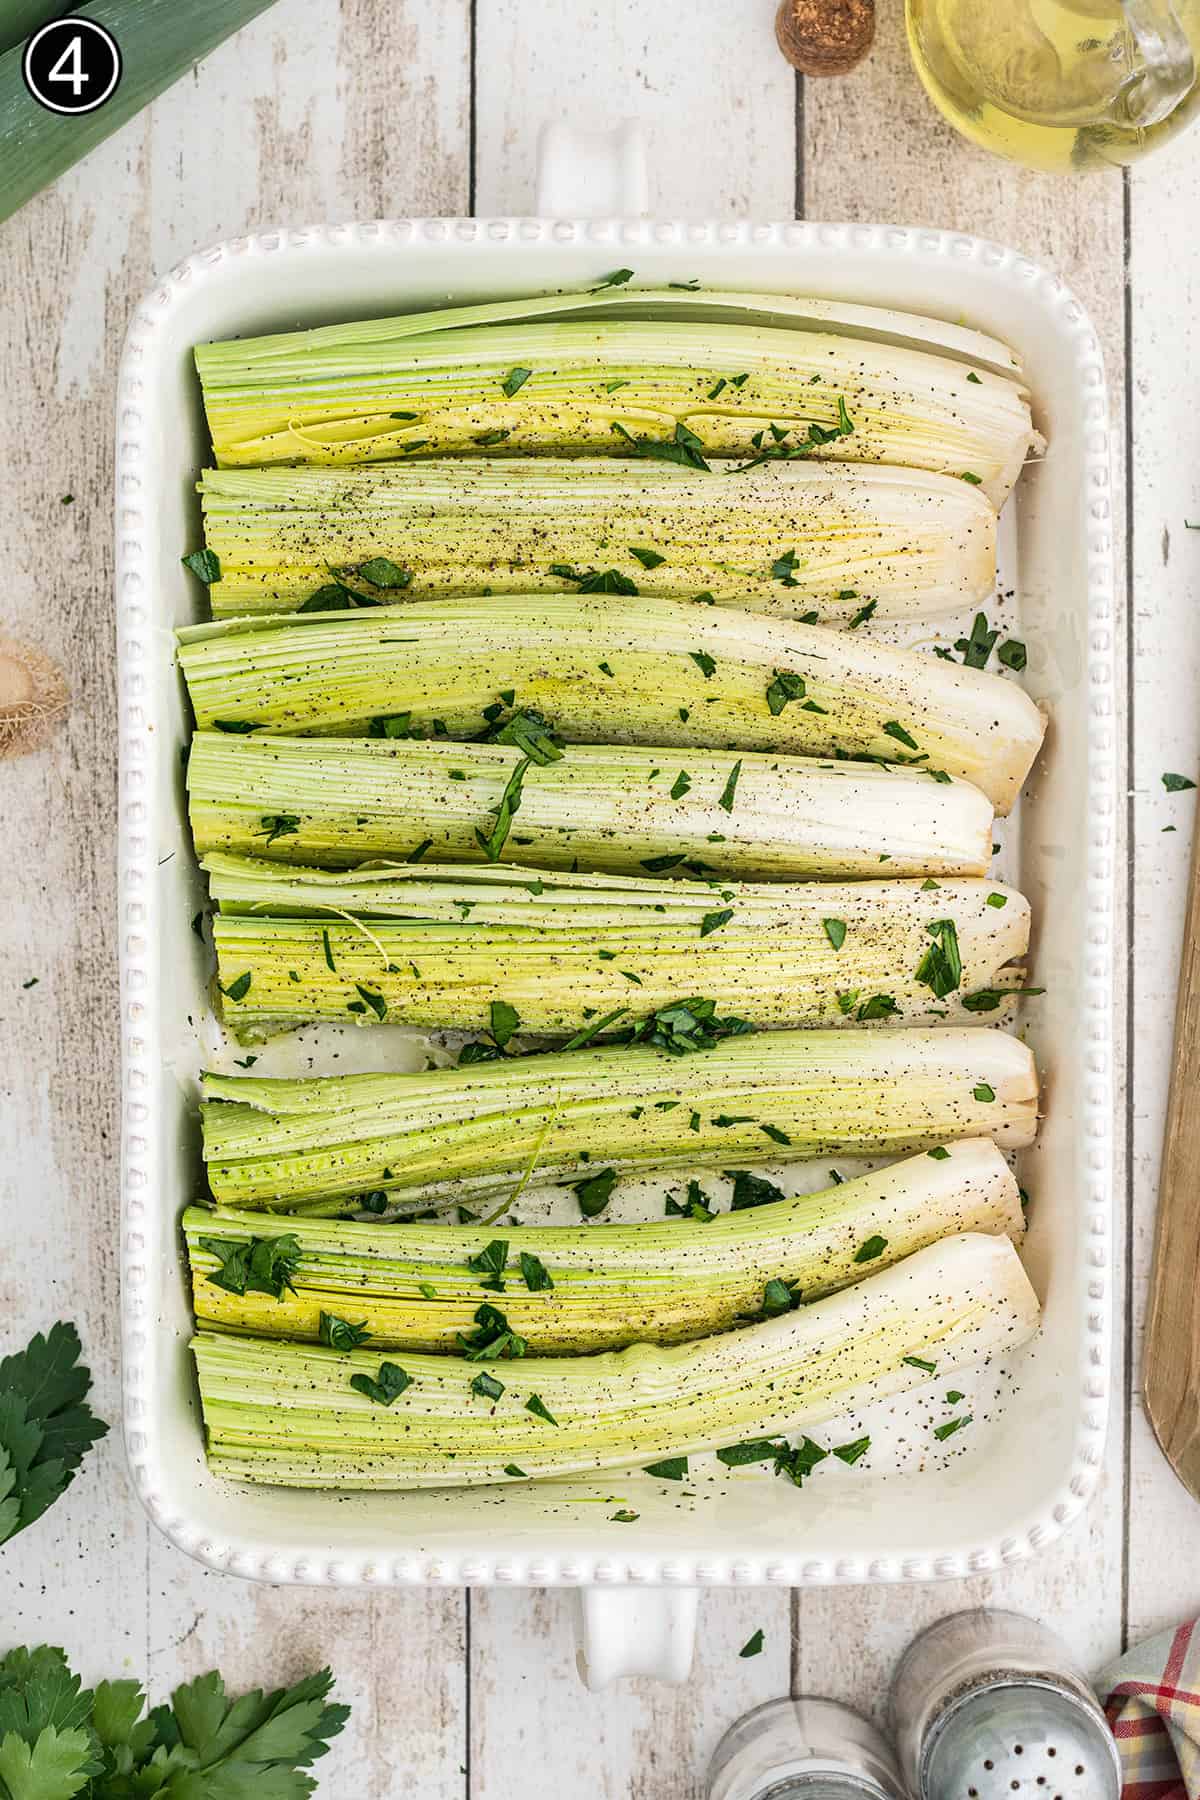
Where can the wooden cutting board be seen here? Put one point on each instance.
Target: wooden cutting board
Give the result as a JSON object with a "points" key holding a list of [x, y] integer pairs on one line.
{"points": [[1171, 1358]]}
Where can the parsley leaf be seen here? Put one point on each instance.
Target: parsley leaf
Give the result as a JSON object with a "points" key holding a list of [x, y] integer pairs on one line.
{"points": [[753, 1644], [1177, 784], [204, 564], [515, 379], [595, 1193], [493, 842], [385, 1388], [255, 1265], [784, 686], [339, 1334], [46, 1427]]}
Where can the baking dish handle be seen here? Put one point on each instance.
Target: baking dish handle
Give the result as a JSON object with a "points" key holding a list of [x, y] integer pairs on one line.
{"points": [[591, 174], [636, 1631]]}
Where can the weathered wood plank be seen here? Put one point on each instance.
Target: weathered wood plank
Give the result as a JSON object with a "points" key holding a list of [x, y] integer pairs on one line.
{"points": [[875, 149], [310, 113], [1164, 1520], [715, 97], [637, 1740]]}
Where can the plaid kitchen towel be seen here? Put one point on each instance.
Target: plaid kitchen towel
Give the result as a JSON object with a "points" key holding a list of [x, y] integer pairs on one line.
{"points": [[1152, 1701]]}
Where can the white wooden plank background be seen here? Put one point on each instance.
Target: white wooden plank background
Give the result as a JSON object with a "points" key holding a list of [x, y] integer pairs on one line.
{"points": [[393, 106]]}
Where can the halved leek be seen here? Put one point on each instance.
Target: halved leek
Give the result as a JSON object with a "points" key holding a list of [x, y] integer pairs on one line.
{"points": [[518, 376], [896, 542], [596, 1288], [287, 1413], [319, 1146], [444, 944], [611, 668], [335, 802]]}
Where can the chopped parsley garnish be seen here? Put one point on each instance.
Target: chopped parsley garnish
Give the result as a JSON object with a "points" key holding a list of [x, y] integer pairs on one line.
{"points": [[918, 1362], [775, 1134], [672, 1468], [595, 1193], [879, 1006], [941, 966], [683, 447], [873, 1248], [493, 842], [779, 1297], [277, 825], [1013, 655], [658, 865], [238, 988], [204, 564], [984, 1092], [704, 662], [534, 1273], [493, 1338], [942, 1432], [339, 1334], [505, 1021], [487, 1386], [750, 1189], [782, 687], [376, 1002], [753, 1645], [713, 921], [681, 785], [513, 1470], [835, 931], [618, 278], [255, 1265], [939, 1153], [625, 1516], [537, 1406], [969, 475], [997, 900], [493, 437], [384, 1388], [684, 1026], [328, 949], [863, 614], [784, 569], [854, 1452], [649, 559], [978, 647], [726, 798], [1177, 784], [895, 730], [515, 379], [490, 1262]]}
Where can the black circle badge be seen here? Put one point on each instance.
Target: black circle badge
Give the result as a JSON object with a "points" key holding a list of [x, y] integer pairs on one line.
{"points": [[72, 66]]}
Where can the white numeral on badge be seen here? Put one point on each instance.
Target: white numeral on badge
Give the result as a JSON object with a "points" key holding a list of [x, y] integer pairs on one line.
{"points": [[69, 67]]}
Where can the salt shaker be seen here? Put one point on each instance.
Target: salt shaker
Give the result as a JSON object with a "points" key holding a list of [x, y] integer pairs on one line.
{"points": [[987, 1705], [803, 1749]]}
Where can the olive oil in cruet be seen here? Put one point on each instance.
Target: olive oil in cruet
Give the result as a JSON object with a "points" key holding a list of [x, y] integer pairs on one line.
{"points": [[1061, 84]]}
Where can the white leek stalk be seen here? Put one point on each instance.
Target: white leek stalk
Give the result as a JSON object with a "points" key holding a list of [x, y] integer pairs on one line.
{"points": [[412, 1286], [481, 1129], [444, 944], [897, 542], [286, 1413], [335, 802], [608, 668], [518, 376]]}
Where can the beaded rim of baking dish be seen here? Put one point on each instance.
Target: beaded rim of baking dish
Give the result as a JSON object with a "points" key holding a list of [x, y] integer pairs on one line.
{"points": [[138, 645]]}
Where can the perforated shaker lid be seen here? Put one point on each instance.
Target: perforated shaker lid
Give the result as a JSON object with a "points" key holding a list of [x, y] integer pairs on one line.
{"points": [[1022, 1740]]}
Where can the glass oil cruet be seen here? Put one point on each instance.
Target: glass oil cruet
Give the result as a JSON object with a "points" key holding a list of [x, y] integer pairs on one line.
{"points": [[1063, 85]]}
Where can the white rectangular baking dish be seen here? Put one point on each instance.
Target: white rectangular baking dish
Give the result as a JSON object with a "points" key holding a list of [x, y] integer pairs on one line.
{"points": [[1021, 1475]]}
